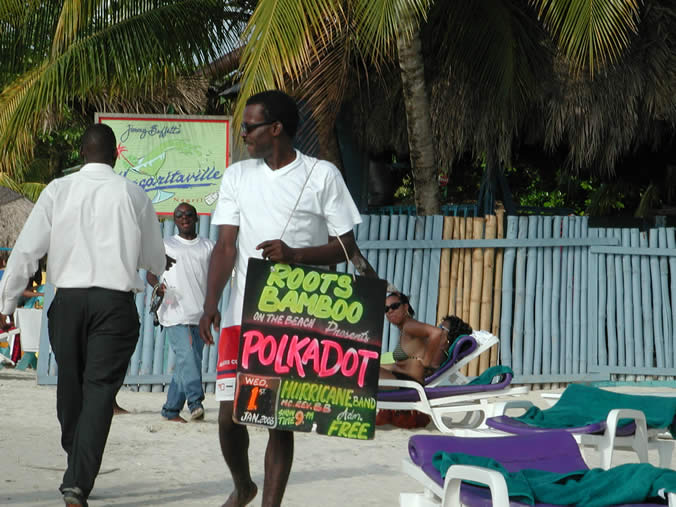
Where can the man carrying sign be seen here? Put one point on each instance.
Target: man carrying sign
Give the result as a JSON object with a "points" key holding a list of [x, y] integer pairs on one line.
{"points": [[287, 207]]}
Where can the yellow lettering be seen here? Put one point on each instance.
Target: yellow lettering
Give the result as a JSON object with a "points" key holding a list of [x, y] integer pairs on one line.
{"points": [[268, 301], [344, 289], [278, 274]]}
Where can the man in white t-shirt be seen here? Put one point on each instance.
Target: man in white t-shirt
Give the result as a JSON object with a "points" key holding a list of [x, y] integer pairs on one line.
{"points": [[286, 207], [183, 289]]}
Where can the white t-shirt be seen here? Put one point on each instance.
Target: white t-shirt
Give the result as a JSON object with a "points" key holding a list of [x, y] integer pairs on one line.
{"points": [[260, 200], [186, 281]]}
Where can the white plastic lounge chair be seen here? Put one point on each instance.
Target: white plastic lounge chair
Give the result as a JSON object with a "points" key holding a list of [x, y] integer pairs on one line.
{"points": [[447, 392], [552, 452], [603, 436]]}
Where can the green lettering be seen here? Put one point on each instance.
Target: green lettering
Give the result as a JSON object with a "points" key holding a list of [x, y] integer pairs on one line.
{"points": [[339, 309], [354, 312], [277, 275], [311, 281], [268, 301], [290, 300], [313, 392], [287, 389], [323, 307], [327, 278], [309, 302], [295, 278], [344, 289]]}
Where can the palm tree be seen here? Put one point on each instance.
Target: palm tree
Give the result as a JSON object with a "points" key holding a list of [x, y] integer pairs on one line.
{"points": [[316, 47], [131, 54]]}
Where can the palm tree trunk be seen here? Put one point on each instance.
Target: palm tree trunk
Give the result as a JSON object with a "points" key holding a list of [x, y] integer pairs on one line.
{"points": [[419, 123]]}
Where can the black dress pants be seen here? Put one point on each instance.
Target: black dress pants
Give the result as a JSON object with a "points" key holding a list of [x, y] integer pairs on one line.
{"points": [[93, 333]]}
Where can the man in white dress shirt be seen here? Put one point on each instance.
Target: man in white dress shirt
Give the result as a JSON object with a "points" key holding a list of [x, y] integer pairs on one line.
{"points": [[98, 229], [286, 207], [183, 288]]}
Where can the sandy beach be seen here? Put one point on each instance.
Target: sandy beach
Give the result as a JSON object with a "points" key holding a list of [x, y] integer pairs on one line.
{"points": [[150, 461]]}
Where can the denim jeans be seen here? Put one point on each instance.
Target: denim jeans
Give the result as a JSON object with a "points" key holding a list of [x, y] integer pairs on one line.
{"points": [[186, 384]]}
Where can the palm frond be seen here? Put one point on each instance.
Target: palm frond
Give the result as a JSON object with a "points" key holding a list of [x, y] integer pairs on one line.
{"points": [[97, 52], [281, 43], [288, 41], [591, 33], [377, 22]]}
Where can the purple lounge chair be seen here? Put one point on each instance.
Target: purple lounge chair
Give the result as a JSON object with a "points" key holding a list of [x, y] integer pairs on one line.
{"points": [[438, 399], [553, 451], [605, 436]]}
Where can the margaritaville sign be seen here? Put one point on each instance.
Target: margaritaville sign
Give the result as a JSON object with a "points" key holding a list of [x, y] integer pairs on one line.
{"points": [[309, 350], [175, 158]]}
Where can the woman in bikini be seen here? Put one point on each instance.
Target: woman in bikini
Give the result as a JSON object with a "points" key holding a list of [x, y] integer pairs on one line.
{"points": [[417, 354]]}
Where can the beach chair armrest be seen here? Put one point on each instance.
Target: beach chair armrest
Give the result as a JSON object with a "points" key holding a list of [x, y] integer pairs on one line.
{"points": [[501, 408], [403, 384], [605, 443], [637, 416], [491, 478]]}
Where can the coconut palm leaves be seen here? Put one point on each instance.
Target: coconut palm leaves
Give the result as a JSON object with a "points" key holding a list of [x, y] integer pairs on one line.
{"points": [[87, 51], [314, 45], [591, 33], [495, 50]]}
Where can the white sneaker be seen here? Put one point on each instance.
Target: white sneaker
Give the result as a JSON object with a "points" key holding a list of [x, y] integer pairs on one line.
{"points": [[197, 414]]}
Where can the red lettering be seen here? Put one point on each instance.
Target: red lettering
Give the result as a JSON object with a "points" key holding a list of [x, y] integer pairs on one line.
{"points": [[324, 370], [293, 356], [252, 344], [264, 358], [279, 367], [366, 355], [350, 354], [312, 353]]}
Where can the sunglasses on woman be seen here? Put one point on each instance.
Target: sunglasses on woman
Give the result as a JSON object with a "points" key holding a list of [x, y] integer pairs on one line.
{"points": [[393, 306]]}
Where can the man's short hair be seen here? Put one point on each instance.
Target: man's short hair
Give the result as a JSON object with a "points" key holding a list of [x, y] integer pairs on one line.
{"points": [[99, 138], [278, 106], [188, 205]]}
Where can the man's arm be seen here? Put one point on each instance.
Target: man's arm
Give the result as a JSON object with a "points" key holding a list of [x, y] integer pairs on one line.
{"points": [[221, 265], [31, 245]]}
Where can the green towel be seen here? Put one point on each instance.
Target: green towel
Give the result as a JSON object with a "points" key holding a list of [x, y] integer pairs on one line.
{"points": [[488, 375], [632, 483], [581, 405]]}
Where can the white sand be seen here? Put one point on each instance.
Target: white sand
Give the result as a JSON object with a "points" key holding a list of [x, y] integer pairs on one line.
{"points": [[149, 461]]}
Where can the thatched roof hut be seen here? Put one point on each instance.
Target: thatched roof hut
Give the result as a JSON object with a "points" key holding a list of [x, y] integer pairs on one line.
{"points": [[14, 210]]}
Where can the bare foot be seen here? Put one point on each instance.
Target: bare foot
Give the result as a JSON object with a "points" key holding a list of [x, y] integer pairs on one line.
{"points": [[118, 410], [177, 419], [240, 499]]}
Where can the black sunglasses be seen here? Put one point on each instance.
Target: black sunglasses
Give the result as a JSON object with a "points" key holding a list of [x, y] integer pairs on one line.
{"points": [[247, 128], [393, 306], [188, 214]]}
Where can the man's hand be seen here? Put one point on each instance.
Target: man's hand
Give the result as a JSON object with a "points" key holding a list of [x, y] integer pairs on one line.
{"points": [[5, 322], [278, 251], [208, 319], [170, 262], [160, 290]]}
